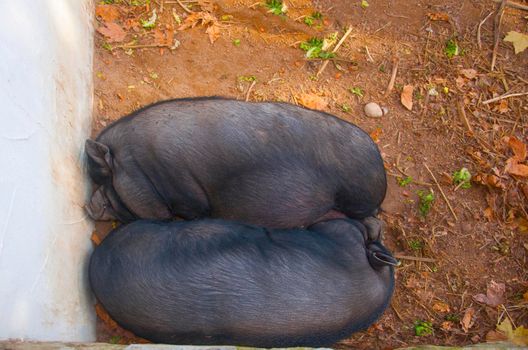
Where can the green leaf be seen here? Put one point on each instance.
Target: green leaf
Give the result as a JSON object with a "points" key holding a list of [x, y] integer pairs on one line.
{"points": [[404, 181], [357, 91], [364, 4], [451, 49], [423, 328], [151, 22], [426, 202], [462, 178]]}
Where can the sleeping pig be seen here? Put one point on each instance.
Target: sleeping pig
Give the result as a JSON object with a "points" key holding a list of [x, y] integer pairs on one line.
{"points": [[218, 282], [269, 164]]}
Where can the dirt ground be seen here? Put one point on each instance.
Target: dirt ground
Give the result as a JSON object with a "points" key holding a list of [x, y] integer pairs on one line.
{"points": [[471, 237]]}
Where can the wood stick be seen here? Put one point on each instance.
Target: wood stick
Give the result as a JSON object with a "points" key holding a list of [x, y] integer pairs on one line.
{"points": [[442, 192], [183, 6], [393, 76], [414, 258], [478, 30], [514, 5], [249, 89], [343, 38], [496, 27], [503, 97], [462, 114]]}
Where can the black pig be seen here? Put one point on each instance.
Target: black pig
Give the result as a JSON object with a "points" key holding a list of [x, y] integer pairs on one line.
{"points": [[269, 164], [219, 282]]}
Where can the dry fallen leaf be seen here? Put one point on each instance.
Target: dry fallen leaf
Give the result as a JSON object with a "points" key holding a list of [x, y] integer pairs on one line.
{"points": [[441, 307], [375, 134], [494, 336], [438, 16], [107, 13], [113, 32], [195, 18], [519, 41], [502, 107], [213, 31], [494, 294], [518, 336], [525, 296], [95, 238], [518, 148], [407, 96], [514, 168], [469, 73], [313, 101], [467, 321], [447, 325]]}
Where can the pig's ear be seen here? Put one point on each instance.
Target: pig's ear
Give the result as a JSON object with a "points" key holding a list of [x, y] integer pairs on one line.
{"points": [[99, 159]]}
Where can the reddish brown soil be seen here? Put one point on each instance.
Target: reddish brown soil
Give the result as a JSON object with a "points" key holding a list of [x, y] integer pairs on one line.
{"points": [[469, 251]]}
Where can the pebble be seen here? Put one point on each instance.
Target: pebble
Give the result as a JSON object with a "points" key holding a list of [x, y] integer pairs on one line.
{"points": [[373, 110]]}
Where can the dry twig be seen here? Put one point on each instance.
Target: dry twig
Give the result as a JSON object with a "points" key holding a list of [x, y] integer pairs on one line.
{"points": [[393, 76], [462, 114], [496, 27], [442, 192], [323, 66], [414, 258], [501, 97], [183, 6], [249, 89], [514, 5], [479, 27]]}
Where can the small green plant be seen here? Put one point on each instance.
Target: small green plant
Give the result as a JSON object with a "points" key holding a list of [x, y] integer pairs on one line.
{"points": [[115, 339], [277, 7], [310, 20], [357, 91], [151, 22], [452, 317], [451, 48], [107, 46], [415, 244], [404, 181], [426, 202], [107, 2], [249, 78], [423, 328], [364, 4], [345, 108], [382, 68], [462, 178], [314, 49], [139, 2], [236, 42]]}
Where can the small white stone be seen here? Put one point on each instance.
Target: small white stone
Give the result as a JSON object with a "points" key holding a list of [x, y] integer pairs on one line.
{"points": [[385, 110], [373, 110]]}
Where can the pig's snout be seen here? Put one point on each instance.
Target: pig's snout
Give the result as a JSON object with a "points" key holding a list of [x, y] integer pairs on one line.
{"points": [[99, 206], [379, 256]]}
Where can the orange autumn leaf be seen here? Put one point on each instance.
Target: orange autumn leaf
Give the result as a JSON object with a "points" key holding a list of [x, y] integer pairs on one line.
{"points": [[375, 135], [95, 238], [441, 307], [203, 18], [113, 32], [407, 96], [468, 321], [514, 168], [518, 148], [108, 13], [502, 107], [213, 32], [313, 101], [438, 16]]}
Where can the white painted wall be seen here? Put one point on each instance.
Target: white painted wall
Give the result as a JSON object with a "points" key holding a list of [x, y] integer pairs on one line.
{"points": [[46, 51]]}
